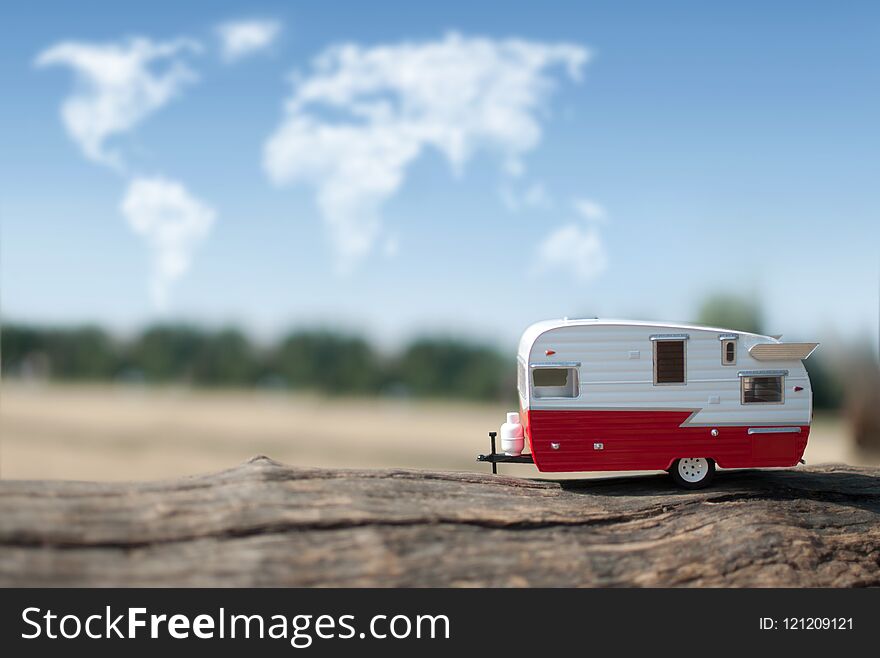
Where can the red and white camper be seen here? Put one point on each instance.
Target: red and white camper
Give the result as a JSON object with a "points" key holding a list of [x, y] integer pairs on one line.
{"points": [[614, 395]]}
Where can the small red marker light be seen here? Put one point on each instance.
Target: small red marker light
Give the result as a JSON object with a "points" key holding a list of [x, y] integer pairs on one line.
{"points": [[797, 389], [549, 352]]}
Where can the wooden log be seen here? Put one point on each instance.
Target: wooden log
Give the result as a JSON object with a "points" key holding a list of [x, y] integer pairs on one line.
{"points": [[264, 523]]}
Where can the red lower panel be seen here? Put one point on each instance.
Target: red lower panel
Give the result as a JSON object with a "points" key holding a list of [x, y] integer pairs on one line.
{"points": [[649, 440]]}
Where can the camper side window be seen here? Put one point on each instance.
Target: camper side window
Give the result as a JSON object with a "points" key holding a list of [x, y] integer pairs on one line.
{"points": [[728, 352], [669, 362], [762, 390], [555, 382]]}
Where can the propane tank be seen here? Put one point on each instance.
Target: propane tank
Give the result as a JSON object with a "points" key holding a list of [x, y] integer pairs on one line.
{"points": [[512, 441]]}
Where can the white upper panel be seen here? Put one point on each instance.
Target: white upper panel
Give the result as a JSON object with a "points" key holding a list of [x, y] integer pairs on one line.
{"points": [[616, 370], [532, 332]]}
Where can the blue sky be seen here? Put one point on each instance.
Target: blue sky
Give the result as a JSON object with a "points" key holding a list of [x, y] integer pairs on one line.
{"points": [[617, 159]]}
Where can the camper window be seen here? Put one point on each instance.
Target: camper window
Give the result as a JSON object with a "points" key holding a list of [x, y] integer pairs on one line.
{"points": [[762, 390], [669, 362], [728, 352], [555, 382]]}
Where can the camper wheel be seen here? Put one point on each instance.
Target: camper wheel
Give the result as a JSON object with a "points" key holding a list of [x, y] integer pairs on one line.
{"points": [[692, 472]]}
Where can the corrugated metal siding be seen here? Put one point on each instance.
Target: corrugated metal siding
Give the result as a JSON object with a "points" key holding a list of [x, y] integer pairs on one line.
{"points": [[610, 379], [648, 440]]}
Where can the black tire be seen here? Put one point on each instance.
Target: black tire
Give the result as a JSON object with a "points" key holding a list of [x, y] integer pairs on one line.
{"points": [[683, 472]]}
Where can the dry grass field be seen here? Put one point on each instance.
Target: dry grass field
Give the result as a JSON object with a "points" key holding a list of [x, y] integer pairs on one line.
{"points": [[133, 433]]}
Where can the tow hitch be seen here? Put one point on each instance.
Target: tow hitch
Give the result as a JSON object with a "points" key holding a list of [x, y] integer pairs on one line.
{"points": [[494, 458]]}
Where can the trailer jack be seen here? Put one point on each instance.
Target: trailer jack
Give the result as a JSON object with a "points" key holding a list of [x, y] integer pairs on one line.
{"points": [[494, 458]]}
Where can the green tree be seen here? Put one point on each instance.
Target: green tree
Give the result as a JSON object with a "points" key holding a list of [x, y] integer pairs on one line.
{"points": [[82, 353], [326, 361], [452, 368], [17, 342], [224, 358], [729, 311], [71, 354], [165, 353], [827, 388]]}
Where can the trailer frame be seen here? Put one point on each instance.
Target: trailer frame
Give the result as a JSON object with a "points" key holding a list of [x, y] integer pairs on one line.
{"points": [[496, 458]]}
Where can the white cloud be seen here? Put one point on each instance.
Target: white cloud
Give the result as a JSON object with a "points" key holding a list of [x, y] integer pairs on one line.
{"points": [[363, 115], [576, 247], [241, 38], [118, 86], [172, 222], [532, 196], [590, 210]]}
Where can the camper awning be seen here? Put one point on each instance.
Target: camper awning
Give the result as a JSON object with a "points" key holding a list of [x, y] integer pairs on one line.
{"points": [[782, 351]]}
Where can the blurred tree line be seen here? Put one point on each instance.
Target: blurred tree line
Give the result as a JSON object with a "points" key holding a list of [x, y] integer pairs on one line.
{"points": [[323, 361]]}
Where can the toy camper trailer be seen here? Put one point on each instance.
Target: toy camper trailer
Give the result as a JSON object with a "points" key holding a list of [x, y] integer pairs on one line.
{"points": [[615, 395]]}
